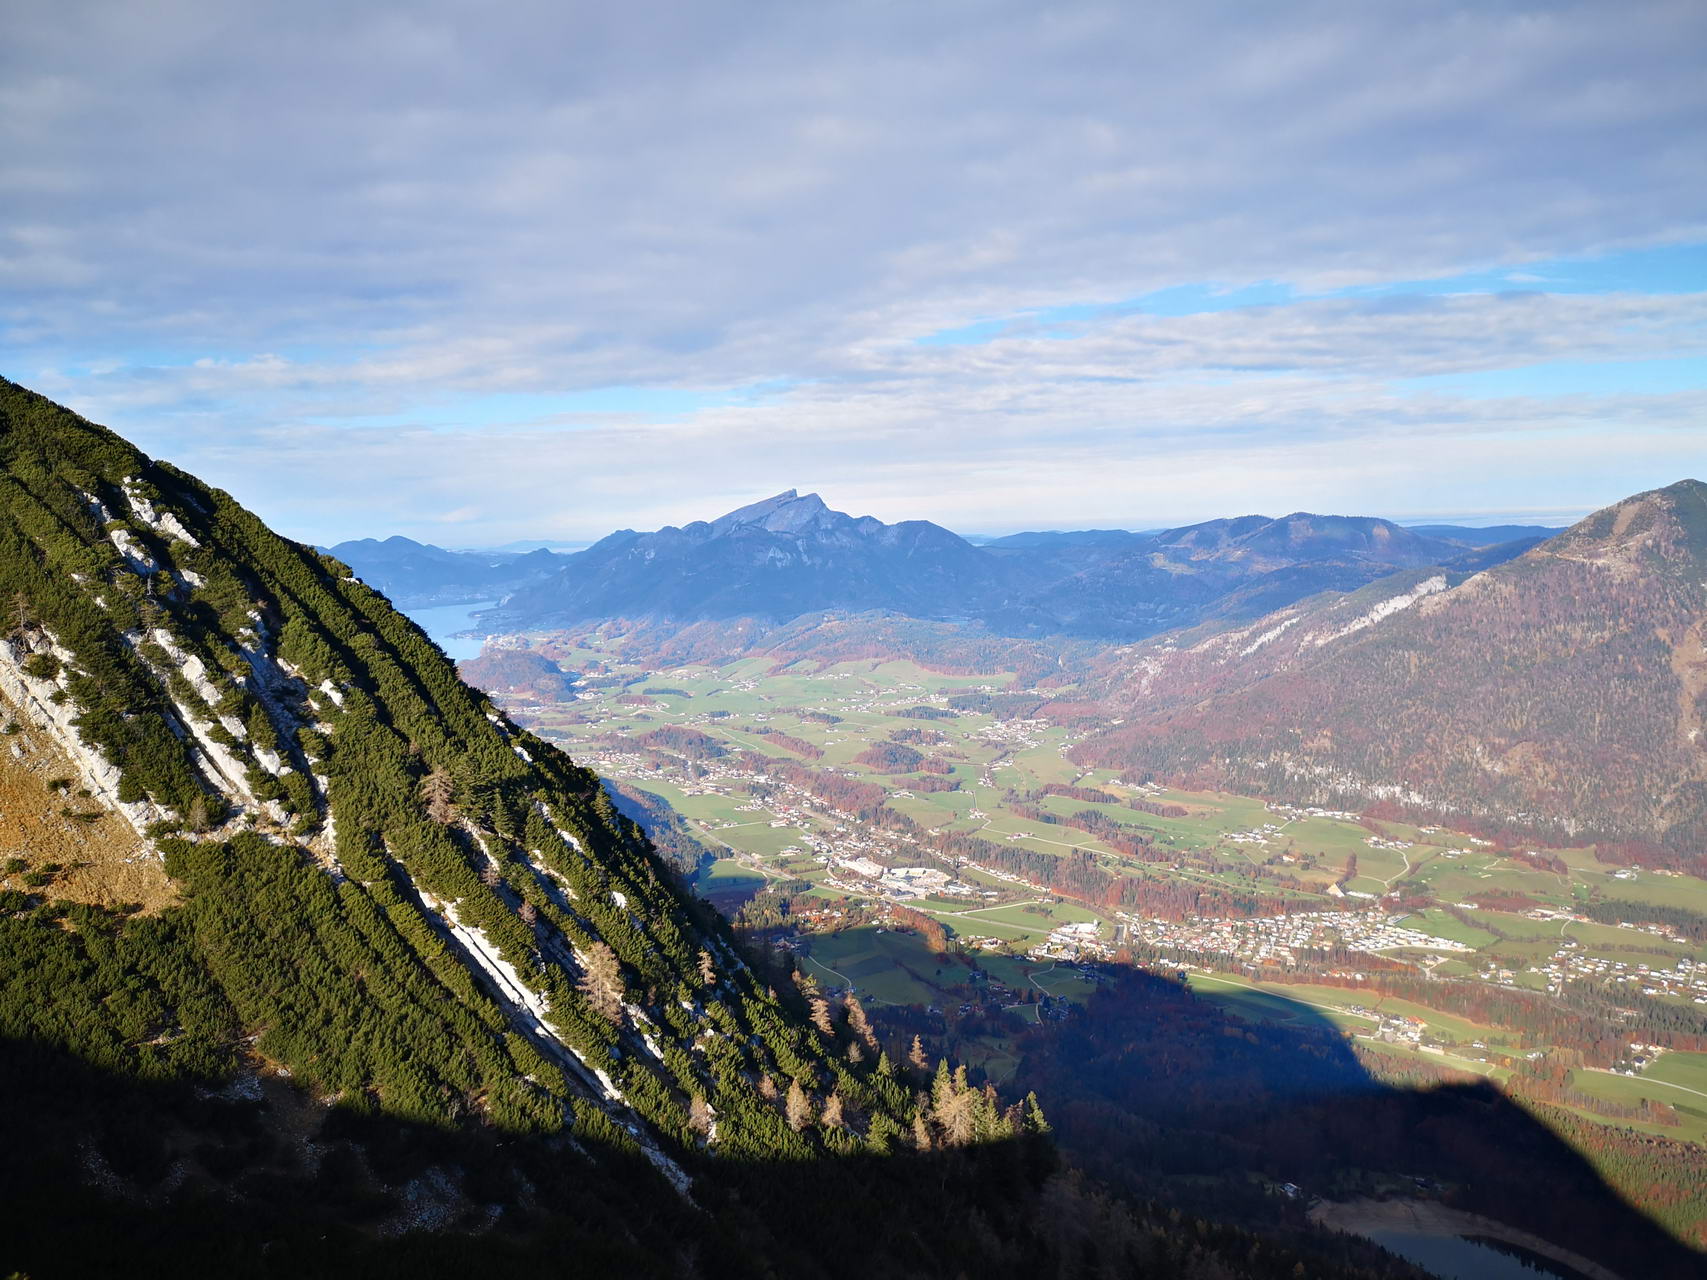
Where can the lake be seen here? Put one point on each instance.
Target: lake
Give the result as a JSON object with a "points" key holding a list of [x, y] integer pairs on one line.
{"points": [[443, 621], [1455, 1258], [1453, 1244]]}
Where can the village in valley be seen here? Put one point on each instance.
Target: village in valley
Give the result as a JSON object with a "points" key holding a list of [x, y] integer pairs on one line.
{"points": [[829, 799]]}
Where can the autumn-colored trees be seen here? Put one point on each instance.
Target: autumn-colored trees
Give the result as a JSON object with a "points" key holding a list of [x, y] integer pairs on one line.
{"points": [[601, 984]]}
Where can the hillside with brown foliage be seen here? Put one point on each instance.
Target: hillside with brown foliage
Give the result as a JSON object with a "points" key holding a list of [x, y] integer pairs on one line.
{"points": [[1562, 693]]}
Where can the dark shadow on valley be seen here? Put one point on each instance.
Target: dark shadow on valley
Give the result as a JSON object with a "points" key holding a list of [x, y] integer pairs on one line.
{"points": [[1167, 1096], [1191, 1117], [103, 1174]]}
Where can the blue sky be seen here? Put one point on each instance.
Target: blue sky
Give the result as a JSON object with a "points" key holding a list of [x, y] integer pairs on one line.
{"points": [[475, 276]]}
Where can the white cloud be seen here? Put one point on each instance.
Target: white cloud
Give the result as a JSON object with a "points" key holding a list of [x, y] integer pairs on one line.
{"points": [[227, 225]]}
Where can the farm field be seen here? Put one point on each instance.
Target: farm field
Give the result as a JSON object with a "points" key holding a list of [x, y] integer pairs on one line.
{"points": [[1691, 1117], [1688, 1070]]}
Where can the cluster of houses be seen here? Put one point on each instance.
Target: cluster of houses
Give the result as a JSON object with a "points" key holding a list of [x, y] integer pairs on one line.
{"points": [[1293, 812], [1277, 939], [1686, 979], [1257, 835], [1079, 941]]}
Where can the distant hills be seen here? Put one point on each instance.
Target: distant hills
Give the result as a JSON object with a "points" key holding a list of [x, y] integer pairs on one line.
{"points": [[1564, 689], [792, 555], [416, 574], [1053, 538], [1226, 570], [1469, 535], [1486, 536], [1550, 685]]}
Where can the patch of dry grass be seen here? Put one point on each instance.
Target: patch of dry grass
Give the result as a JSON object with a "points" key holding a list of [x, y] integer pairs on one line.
{"points": [[45, 822]]}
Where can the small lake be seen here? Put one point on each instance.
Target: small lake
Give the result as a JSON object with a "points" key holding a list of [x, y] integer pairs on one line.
{"points": [[443, 621], [1455, 1258]]}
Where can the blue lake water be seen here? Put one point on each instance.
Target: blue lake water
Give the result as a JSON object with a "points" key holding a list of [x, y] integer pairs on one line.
{"points": [[443, 621], [1454, 1258]]}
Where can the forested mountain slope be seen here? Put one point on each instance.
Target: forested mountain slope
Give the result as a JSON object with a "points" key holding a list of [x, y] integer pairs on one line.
{"points": [[413, 996], [1564, 691]]}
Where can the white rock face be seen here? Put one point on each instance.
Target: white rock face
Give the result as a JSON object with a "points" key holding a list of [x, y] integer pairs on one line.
{"points": [[138, 560], [1273, 633], [161, 522], [32, 697], [97, 508], [1387, 608], [224, 768]]}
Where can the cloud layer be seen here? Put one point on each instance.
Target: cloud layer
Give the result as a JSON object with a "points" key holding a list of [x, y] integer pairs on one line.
{"points": [[322, 253]]}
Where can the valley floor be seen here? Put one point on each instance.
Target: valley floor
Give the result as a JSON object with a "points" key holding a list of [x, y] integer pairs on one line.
{"points": [[909, 837]]}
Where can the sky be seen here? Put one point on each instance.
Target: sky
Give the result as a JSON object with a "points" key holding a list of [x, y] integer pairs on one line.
{"points": [[474, 273]]}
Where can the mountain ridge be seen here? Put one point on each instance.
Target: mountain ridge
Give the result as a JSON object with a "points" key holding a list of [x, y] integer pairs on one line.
{"points": [[790, 555], [419, 574], [1517, 693]]}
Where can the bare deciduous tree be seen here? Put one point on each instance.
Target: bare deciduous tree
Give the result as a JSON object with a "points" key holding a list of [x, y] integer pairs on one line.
{"points": [[602, 983], [857, 1020], [917, 1056], [436, 791], [700, 1116], [832, 1117], [821, 1015], [798, 1107]]}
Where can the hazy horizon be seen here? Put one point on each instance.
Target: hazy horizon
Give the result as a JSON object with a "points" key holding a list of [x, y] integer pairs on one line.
{"points": [[1475, 520]]}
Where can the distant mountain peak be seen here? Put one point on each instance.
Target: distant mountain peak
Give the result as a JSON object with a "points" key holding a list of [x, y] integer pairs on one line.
{"points": [[786, 512], [784, 556]]}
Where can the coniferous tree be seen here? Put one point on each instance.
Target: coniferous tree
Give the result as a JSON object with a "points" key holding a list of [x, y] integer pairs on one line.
{"points": [[1034, 1121]]}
